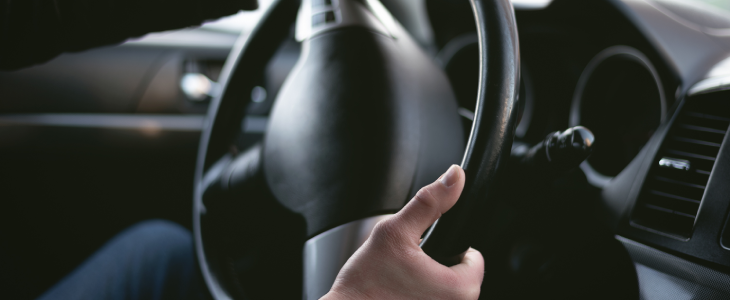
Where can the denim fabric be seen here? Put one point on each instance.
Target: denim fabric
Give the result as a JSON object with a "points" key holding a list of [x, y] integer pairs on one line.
{"points": [[151, 260]]}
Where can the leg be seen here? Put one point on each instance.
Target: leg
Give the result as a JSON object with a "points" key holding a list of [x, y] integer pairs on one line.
{"points": [[151, 260]]}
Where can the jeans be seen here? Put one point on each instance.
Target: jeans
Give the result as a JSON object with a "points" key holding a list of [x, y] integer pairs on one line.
{"points": [[150, 260]]}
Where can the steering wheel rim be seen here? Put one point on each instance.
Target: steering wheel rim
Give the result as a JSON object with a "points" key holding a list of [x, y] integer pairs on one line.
{"points": [[492, 132], [488, 145], [247, 58]]}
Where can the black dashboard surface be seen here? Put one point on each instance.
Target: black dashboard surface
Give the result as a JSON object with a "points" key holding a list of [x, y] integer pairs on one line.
{"points": [[584, 61]]}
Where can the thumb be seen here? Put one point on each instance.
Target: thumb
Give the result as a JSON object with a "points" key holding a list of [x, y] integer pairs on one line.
{"points": [[429, 204]]}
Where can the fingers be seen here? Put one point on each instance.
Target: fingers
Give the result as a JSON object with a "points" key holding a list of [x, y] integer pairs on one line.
{"points": [[429, 203], [471, 271], [472, 266]]}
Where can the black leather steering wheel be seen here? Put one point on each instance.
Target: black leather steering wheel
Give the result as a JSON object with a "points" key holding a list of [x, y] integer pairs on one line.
{"points": [[362, 122]]}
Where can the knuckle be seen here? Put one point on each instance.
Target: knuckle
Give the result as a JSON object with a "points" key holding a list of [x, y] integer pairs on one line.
{"points": [[386, 232], [426, 198], [382, 227]]}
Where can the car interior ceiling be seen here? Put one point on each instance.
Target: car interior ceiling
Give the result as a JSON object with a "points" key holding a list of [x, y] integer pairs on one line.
{"points": [[130, 152]]}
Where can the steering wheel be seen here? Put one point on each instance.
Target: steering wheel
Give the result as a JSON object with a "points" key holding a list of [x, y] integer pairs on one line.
{"points": [[362, 122]]}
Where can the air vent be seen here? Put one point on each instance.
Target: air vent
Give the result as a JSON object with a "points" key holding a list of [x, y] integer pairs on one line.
{"points": [[673, 191]]}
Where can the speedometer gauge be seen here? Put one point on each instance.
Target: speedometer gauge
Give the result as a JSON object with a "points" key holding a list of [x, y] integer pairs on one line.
{"points": [[460, 60], [620, 98]]}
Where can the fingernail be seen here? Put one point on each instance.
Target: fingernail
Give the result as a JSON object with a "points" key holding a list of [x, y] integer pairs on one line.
{"points": [[450, 177]]}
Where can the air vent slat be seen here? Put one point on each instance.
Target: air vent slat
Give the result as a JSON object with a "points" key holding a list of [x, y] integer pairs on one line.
{"points": [[659, 208], [699, 121], [663, 194], [712, 137], [687, 154], [695, 180], [661, 220], [672, 204], [672, 194], [694, 141], [684, 215], [709, 152], [707, 116], [700, 128], [669, 180], [690, 192]]}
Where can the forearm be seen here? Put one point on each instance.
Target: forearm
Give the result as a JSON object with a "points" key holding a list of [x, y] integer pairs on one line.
{"points": [[34, 31]]}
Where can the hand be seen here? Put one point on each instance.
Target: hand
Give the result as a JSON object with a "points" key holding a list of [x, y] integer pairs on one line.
{"points": [[391, 265]]}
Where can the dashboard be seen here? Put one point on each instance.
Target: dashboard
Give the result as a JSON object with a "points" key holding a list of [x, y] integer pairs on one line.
{"points": [[650, 78], [643, 84], [647, 78]]}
